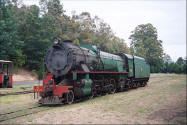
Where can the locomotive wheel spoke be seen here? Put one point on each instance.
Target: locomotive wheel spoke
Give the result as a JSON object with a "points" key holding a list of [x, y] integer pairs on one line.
{"points": [[113, 89], [130, 86], [93, 93], [126, 87], [91, 96], [121, 88], [136, 84], [139, 84]]}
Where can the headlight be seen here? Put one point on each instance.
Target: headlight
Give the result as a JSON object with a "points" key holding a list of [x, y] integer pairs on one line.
{"points": [[56, 41]]}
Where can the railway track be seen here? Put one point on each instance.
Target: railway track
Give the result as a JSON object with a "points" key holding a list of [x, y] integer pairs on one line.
{"points": [[30, 110], [22, 112], [17, 93]]}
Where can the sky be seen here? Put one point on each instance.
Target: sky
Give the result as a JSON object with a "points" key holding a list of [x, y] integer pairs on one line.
{"points": [[168, 16]]}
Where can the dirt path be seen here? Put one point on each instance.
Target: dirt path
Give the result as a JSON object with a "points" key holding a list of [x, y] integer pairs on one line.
{"points": [[170, 112], [163, 101]]}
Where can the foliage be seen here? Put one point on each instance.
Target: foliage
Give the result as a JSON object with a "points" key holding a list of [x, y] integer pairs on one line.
{"points": [[145, 43], [176, 67], [26, 33], [36, 32], [10, 45], [96, 31]]}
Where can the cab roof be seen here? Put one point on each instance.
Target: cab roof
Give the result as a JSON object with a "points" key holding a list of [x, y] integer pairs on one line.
{"points": [[128, 56]]}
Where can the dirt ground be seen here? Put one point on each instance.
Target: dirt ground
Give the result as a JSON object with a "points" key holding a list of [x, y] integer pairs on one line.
{"points": [[23, 75], [162, 101]]}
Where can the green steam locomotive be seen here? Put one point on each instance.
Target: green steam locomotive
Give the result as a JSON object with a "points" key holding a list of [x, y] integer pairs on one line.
{"points": [[76, 72]]}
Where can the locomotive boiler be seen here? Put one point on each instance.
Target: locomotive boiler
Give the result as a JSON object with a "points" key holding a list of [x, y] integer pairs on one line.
{"points": [[63, 57], [75, 72]]}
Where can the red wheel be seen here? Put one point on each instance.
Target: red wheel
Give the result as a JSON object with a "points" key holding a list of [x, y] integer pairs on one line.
{"points": [[70, 97]]}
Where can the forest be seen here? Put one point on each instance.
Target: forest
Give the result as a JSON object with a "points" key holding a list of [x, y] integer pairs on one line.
{"points": [[26, 32]]}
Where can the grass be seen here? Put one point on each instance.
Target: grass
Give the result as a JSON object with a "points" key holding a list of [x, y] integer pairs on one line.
{"points": [[180, 120], [130, 107], [14, 99], [152, 96], [10, 99], [30, 120], [19, 87], [157, 94], [15, 89]]}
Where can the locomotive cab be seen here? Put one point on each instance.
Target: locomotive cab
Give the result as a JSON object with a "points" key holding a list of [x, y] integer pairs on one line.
{"points": [[6, 74]]}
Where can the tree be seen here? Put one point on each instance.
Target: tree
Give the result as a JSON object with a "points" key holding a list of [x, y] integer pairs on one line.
{"points": [[177, 67], [181, 65], [36, 38], [95, 31], [166, 61], [10, 45], [54, 10], [145, 43], [180, 61], [185, 65], [33, 28]]}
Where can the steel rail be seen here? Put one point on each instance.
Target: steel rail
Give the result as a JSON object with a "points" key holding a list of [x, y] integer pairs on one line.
{"points": [[5, 116], [17, 93]]}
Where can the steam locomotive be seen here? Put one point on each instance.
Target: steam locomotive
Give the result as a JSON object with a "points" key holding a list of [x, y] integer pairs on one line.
{"points": [[75, 72]]}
